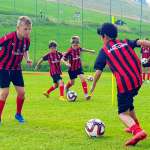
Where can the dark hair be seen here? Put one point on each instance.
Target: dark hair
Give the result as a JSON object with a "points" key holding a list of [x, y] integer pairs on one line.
{"points": [[52, 44], [108, 29]]}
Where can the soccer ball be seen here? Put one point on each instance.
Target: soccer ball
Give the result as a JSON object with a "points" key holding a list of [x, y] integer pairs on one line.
{"points": [[144, 60], [95, 128], [90, 78], [71, 96]]}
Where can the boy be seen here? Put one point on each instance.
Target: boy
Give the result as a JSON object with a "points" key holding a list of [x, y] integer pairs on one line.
{"points": [[126, 67], [13, 47], [146, 67], [75, 69], [54, 58]]}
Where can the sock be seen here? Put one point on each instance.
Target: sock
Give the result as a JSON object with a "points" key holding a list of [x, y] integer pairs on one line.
{"points": [[144, 76], [20, 102], [68, 85], [148, 76], [135, 129], [2, 103], [84, 86], [61, 88], [51, 89]]}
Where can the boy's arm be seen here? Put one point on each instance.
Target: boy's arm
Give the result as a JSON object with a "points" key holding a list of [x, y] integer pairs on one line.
{"points": [[38, 64], [65, 62], [100, 64], [26, 56], [143, 43], [88, 50], [96, 78]]}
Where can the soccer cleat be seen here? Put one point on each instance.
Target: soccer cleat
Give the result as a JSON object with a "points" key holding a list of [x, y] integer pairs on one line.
{"points": [[87, 97], [136, 138], [19, 118], [62, 98], [46, 94], [128, 130]]}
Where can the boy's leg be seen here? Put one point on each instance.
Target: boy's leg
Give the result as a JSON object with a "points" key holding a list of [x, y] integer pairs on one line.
{"points": [[3, 95], [19, 102], [124, 103], [18, 82], [52, 88], [70, 83], [143, 73], [4, 89], [148, 76], [61, 88], [84, 86]]}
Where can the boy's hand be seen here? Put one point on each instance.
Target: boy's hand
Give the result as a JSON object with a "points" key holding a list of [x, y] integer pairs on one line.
{"points": [[29, 62]]}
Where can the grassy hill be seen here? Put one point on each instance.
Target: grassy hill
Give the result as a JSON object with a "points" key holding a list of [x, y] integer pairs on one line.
{"points": [[58, 21]]}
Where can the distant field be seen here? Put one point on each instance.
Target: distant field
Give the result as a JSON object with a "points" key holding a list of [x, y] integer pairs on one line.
{"points": [[58, 23], [55, 125]]}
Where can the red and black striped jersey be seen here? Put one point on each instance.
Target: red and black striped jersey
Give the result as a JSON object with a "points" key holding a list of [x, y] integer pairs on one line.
{"points": [[123, 62], [73, 55], [145, 52], [12, 50], [54, 59]]}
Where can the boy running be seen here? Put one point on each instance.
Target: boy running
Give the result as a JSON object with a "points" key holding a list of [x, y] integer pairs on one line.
{"points": [[54, 58], [146, 66], [13, 47], [126, 67], [75, 70]]}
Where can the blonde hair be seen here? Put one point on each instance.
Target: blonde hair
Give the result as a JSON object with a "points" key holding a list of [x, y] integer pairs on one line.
{"points": [[24, 20], [75, 39]]}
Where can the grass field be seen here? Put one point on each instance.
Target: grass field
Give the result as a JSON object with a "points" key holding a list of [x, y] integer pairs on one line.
{"points": [[55, 125]]}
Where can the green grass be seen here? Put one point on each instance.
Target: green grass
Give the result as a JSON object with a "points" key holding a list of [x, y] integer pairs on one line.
{"points": [[55, 125]]}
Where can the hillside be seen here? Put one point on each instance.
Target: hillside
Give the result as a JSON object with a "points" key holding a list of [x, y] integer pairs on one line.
{"points": [[122, 8]]}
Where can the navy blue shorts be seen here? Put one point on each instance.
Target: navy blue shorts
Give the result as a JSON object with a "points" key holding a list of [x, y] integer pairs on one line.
{"points": [[14, 76], [125, 100], [56, 78], [74, 74], [146, 65]]}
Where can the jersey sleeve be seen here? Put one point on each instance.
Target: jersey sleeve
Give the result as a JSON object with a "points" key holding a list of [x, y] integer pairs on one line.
{"points": [[133, 43], [45, 57], [100, 62], [4, 40]]}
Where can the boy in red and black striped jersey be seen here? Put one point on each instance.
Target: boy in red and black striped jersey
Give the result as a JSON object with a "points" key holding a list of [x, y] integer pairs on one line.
{"points": [[126, 67], [145, 51], [75, 69], [54, 58], [13, 47]]}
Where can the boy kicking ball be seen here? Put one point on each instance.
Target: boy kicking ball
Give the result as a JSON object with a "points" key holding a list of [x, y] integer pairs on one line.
{"points": [[126, 67], [75, 70]]}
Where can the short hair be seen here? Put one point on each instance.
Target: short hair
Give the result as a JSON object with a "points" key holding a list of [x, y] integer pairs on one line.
{"points": [[52, 44], [24, 20], [108, 29], [75, 39]]}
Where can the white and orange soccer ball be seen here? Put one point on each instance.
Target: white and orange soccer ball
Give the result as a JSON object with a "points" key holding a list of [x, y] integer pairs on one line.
{"points": [[95, 128]]}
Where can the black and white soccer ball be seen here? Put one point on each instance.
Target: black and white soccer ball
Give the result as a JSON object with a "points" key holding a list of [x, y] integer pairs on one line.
{"points": [[90, 78], [144, 60], [95, 128], [71, 96]]}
